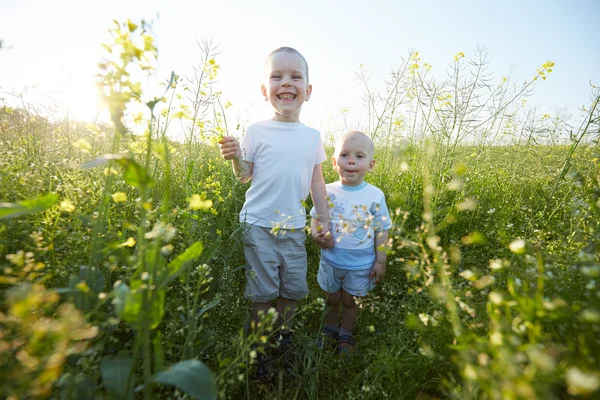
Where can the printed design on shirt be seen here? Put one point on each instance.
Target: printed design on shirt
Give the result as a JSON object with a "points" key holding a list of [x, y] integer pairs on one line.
{"points": [[355, 223]]}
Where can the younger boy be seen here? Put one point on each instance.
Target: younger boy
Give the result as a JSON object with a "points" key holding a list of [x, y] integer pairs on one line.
{"points": [[282, 157], [359, 224]]}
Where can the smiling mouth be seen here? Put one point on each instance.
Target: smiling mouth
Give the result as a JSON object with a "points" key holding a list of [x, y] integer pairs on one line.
{"points": [[286, 96]]}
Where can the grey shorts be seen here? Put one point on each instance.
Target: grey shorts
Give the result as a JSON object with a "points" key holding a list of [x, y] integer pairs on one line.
{"points": [[354, 282], [275, 264]]}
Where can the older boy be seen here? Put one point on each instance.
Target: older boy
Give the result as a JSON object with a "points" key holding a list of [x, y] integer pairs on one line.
{"points": [[359, 224], [283, 159]]}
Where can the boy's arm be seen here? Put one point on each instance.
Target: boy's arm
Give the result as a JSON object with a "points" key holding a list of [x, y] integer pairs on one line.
{"points": [[242, 169], [230, 150], [318, 193], [321, 236], [381, 245]]}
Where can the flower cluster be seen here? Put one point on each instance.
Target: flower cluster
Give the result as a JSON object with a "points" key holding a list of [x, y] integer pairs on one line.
{"points": [[546, 69]]}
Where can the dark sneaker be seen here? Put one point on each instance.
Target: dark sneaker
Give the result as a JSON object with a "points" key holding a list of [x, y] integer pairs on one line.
{"points": [[285, 350], [284, 343], [327, 337], [345, 345], [264, 368]]}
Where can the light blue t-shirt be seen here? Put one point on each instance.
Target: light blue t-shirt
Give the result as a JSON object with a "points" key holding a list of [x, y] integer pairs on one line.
{"points": [[356, 213]]}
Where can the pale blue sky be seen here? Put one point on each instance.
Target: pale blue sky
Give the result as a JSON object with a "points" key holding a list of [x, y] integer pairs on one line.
{"points": [[45, 40]]}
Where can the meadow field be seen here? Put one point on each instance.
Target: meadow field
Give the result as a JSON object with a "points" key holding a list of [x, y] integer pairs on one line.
{"points": [[122, 264]]}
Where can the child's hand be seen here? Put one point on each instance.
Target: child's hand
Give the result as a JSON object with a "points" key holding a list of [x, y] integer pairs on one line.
{"points": [[323, 238], [230, 148], [378, 271]]}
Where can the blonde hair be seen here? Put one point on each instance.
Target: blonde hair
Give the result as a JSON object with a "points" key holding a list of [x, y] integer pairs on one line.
{"points": [[288, 50], [371, 149]]}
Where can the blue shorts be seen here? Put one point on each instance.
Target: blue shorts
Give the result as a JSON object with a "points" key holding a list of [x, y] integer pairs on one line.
{"points": [[354, 282]]}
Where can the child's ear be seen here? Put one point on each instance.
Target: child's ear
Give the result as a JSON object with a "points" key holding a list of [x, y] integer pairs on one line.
{"points": [[372, 165], [308, 92], [334, 162], [263, 89]]}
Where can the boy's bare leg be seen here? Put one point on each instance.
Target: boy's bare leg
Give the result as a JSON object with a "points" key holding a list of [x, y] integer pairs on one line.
{"points": [[286, 309], [263, 357], [256, 308], [349, 312], [332, 301]]}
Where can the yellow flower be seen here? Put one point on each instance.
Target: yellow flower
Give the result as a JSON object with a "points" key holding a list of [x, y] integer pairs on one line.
{"points": [[67, 205], [137, 118], [119, 197], [82, 145], [110, 171], [130, 242], [518, 246], [196, 203], [82, 286], [496, 338], [582, 382], [548, 64]]}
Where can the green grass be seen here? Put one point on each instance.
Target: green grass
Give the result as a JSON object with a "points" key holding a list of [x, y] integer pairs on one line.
{"points": [[398, 355]]}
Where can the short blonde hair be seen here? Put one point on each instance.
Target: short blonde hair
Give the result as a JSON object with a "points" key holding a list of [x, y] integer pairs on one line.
{"points": [[370, 150], [288, 50]]}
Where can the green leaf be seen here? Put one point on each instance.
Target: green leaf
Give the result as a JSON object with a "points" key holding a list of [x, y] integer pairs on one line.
{"points": [[115, 371], [121, 292], [13, 210], [192, 377], [210, 251], [129, 305], [81, 299], [204, 340], [176, 267], [93, 277], [474, 239], [414, 323], [188, 172], [190, 254], [133, 312], [86, 221], [135, 174], [159, 354], [208, 307], [86, 298]]}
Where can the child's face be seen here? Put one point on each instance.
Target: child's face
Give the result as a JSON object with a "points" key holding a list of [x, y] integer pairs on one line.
{"points": [[353, 158], [287, 85]]}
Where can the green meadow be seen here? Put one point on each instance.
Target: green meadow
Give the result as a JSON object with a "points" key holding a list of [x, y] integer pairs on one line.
{"points": [[123, 271]]}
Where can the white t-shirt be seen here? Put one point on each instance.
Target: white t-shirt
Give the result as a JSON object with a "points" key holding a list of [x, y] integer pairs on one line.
{"points": [[284, 156], [356, 214]]}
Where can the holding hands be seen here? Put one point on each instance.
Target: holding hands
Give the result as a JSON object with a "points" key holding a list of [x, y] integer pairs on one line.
{"points": [[322, 237]]}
